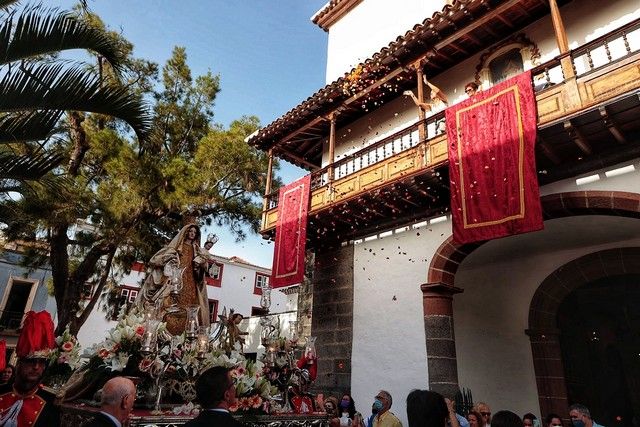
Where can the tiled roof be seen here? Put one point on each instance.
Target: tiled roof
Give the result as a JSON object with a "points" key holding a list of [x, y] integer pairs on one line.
{"points": [[332, 11], [332, 92]]}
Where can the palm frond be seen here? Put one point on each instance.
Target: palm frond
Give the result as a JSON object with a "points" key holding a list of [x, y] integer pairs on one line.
{"points": [[14, 167], [6, 3], [57, 87], [25, 126], [38, 31]]}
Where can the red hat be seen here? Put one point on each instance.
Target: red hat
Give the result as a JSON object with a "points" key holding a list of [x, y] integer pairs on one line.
{"points": [[36, 339]]}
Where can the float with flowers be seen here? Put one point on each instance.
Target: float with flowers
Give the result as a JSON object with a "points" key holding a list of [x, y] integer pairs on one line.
{"points": [[164, 367]]}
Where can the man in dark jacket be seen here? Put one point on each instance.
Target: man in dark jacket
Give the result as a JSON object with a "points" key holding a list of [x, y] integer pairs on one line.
{"points": [[118, 395], [216, 393]]}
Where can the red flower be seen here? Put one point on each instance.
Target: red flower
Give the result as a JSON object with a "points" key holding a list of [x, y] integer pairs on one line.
{"points": [[67, 346], [245, 403], [145, 364], [103, 353], [235, 406], [140, 330]]}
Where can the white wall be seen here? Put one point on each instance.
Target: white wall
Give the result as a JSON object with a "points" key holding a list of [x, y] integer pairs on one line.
{"points": [[368, 27], [389, 349]]}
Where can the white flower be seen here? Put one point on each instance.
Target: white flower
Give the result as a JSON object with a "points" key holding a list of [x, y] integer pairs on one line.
{"points": [[120, 362]]}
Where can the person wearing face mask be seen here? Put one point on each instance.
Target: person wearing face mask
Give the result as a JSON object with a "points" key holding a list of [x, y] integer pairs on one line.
{"points": [[581, 417], [374, 412], [385, 418]]}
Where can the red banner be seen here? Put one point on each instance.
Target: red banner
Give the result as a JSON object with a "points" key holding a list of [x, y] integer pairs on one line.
{"points": [[291, 233], [494, 187]]}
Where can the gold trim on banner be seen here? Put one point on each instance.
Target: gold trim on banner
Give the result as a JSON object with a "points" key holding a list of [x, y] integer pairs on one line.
{"points": [[516, 91], [279, 246]]}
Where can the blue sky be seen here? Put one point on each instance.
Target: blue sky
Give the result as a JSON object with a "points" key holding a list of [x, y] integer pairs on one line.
{"points": [[268, 53]]}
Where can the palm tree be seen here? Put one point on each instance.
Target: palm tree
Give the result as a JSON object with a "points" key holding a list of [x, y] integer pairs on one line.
{"points": [[36, 87]]}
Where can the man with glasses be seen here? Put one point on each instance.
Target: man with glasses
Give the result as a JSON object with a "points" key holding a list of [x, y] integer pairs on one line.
{"points": [[581, 417], [216, 393], [485, 412], [116, 403], [384, 418]]}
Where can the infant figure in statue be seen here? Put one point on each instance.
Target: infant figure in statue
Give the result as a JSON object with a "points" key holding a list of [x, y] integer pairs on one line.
{"points": [[184, 261]]}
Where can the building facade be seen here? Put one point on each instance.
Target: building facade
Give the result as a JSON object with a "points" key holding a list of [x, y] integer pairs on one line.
{"points": [[531, 322]]}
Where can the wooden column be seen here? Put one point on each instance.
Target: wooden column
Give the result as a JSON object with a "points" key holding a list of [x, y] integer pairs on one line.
{"points": [[267, 189], [571, 93], [332, 146], [422, 131]]}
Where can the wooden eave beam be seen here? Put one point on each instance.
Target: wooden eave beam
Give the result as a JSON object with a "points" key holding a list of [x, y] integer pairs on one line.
{"points": [[477, 23], [548, 151], [612, 125], [578, 137], [284, 154], [505, 21]]}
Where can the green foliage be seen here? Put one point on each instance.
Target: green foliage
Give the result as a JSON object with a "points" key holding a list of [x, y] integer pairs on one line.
{"points": [[37, 87], [125, 199]]}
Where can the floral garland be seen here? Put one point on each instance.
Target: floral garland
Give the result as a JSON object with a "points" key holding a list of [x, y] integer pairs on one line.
{"points": [[177, 362], [63, 360]]}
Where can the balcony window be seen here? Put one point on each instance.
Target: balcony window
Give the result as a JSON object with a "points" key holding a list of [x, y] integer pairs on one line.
{"points": [[214, 274], [262, 280], [16, 301]]}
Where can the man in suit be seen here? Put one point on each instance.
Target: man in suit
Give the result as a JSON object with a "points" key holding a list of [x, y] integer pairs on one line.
{"points": [[216, 393], [118, 395]]}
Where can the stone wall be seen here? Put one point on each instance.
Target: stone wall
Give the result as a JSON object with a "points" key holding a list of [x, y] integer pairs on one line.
{"points": [[332, 321]]}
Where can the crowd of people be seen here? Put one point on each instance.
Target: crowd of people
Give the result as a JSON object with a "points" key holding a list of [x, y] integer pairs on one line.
{"points": [[24, 402]]}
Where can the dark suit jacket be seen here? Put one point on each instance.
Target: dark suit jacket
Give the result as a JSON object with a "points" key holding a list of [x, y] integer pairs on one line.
{"points": [[100, 420], [213, 418]]}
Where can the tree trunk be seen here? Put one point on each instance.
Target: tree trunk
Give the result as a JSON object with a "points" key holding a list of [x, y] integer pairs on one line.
{"points": [[79, 138], [78, 321], [59, 259]]}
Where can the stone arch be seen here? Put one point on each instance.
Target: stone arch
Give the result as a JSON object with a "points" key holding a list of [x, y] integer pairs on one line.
{"points": [[450, 254], [543, 332]]}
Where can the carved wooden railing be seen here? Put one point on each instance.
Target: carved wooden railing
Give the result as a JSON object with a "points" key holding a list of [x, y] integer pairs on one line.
{"points": [[604, 68]]}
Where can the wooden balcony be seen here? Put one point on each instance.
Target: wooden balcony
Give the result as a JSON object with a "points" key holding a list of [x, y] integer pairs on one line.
{"points": [[586, 120]]}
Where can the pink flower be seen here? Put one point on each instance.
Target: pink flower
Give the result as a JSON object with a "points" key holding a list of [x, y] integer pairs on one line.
{"points": [[140, 330], [238, 372], [62, 359], [235, 406], [67, 346], [103, 353], [256, 401]]}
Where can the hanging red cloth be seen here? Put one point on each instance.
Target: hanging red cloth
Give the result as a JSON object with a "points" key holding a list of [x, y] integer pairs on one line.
{"points": [[291, 233], [492, 170]]}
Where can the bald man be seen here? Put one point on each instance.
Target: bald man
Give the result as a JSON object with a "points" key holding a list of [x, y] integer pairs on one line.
{"points": [[118, 395]]}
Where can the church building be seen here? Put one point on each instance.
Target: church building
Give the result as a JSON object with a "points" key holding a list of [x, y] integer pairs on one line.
{"points": [[407, 290]]}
